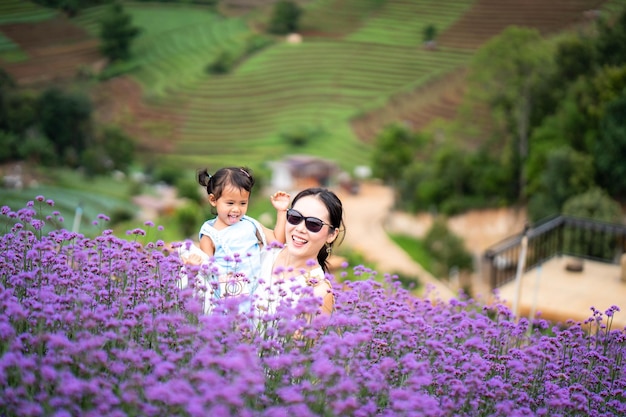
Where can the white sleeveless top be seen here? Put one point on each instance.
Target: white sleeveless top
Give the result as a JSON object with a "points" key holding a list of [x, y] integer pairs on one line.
{"points": [[277, 287]]}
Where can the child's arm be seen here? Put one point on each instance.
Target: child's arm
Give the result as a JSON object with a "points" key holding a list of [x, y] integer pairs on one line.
{"points": [[206, 244], [193, 255], [280, 201]]}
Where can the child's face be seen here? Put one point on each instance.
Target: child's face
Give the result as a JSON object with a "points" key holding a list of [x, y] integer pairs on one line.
{"points": [[231, 206]]}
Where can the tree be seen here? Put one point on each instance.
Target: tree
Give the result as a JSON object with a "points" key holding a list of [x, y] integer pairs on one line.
{"points": [[221, 64], [65, 119], [37, 149], [119, 147], [611, 43], [594, 204], [394, 150], [8, 146], [429, 34], [505, 73], [285, 18], [447, 249], [610, 148], [566, 173], [21, 112], [575, 56], [7, 85], [117, 33]]}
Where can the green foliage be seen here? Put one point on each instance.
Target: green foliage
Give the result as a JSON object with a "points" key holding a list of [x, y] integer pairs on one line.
{"points": [[200, 2], [70, 5], [574, 57], [566, 173], [188, 219], [300, 136], [95, 162], [395, 148], [135, 188], [504, 68], [611, 42], [594, 204], [121, 215], [408, 282], [222, 64], [169, 174], [595, 94], [7, 86], [20, 112], [582, 88], [416, 249], [589, 119], [37, 149], [454, 180], [430, 32], [116, 69], [111, 150], [8, 146], [227, 59], [257, 42], [119, 148], [66, 120], [56, 127], [610, 148], [6, 81], [446, 249], [189, 188], [285, 18], [117, 33], [506, 73]]}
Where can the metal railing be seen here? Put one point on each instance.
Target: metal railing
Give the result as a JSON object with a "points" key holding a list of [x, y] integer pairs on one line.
{"points": [[563, 235]]}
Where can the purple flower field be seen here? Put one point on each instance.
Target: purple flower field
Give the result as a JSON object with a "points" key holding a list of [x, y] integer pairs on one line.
{"points": [[100, 327]]}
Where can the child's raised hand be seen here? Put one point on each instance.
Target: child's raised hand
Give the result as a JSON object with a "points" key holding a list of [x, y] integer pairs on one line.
{"points": [[280, 200]]}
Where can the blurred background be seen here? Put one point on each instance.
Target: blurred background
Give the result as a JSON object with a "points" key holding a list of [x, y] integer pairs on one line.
{"points": [[462, 120]]}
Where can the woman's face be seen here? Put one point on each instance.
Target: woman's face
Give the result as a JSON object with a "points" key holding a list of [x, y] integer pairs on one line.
{"points": [[301, 242]]}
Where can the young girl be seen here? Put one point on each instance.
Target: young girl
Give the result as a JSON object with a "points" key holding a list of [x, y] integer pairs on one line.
{"points": [[231, 242]]}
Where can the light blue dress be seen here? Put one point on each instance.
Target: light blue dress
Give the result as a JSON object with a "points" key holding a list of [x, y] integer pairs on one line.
{"points": [[236, 262]]}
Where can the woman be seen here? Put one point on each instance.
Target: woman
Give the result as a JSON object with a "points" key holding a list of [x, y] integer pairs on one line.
{"points": [[314, 223]]}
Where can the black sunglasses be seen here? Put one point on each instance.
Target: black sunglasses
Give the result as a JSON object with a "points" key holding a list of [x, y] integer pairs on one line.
{"points": [[313, 224]]}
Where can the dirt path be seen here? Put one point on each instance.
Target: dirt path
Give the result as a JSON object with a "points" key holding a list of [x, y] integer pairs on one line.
{"points": [[369, 217], [365, 216]]}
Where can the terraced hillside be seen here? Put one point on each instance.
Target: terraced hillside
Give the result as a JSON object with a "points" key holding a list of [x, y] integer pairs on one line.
{"points": [[40, 45], [482, 21], [315, 86], [361, 65], [490, 17]]}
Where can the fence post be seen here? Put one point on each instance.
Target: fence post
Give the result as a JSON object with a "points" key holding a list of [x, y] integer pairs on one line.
{"points": [[520, 271]]}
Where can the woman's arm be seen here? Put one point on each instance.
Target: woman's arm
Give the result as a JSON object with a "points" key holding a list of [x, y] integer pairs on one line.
{"points": [[325, 291]]}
